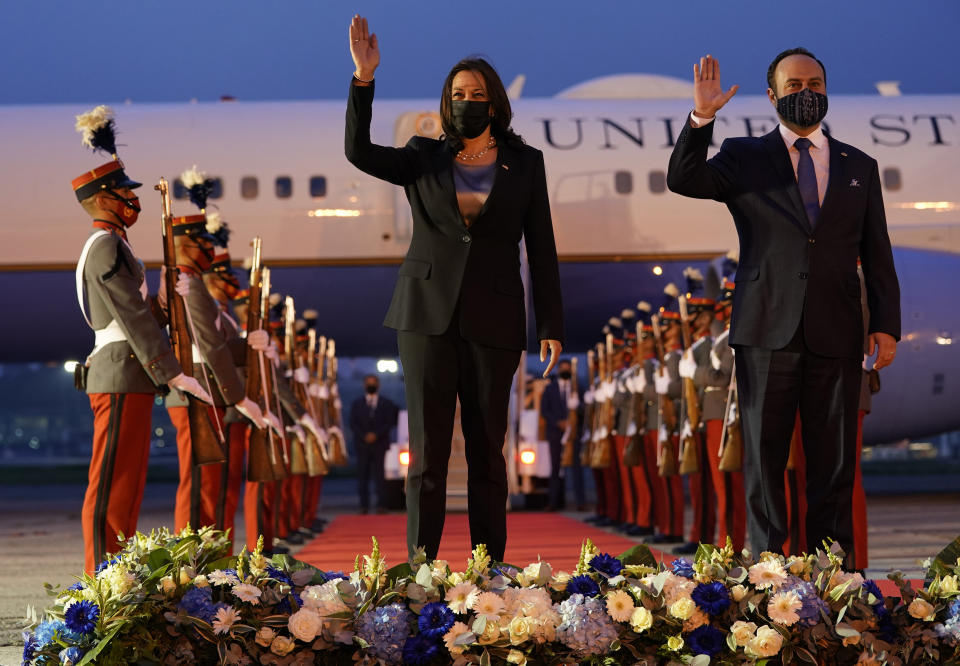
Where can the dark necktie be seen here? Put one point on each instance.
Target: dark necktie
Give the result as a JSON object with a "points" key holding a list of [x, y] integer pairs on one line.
{"points": [[807, 181]]}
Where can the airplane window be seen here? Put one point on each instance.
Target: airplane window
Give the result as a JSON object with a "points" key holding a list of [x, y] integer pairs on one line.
{"points": [[318, 186], [891, 178], [249, 187], [179, 191], [283, 187], [657, 180], [216, 191], [623, 182]]}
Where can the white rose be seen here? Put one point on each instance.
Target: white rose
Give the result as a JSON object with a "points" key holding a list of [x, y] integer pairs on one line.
{"points": [[766, 643], [520, 628], [641, 619], [948, 586], [167, 586], [265, 636], [738, 592], [305, 624], [743, 632], [683, 608], [282, 646]]}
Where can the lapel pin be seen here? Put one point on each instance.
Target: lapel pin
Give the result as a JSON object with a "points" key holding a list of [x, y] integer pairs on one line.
{"points": [[854, 183], [843, 154], [505, 167]]}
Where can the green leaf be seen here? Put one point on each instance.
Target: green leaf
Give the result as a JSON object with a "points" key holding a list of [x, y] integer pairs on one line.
{"points": [[732, 642], [945, 562], [402, 570], [805, 655], [638, 555], [89, 657], [158, 558], [425, 576], [845, 630], [485, 658]]}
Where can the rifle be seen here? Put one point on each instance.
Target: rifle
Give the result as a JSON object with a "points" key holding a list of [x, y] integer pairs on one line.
{"points": [[316, 465], [338, 445], [566, 458], [666, 460], [261, 452], [689, 446], [731, 439], [206, 444], [588, 412], [633, 452], [279, 459], [640, 406], [298, 456], [600, 452]]}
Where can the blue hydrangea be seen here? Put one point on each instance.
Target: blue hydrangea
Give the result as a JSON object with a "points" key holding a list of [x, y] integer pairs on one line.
{"points": [[46, 630], [333, 575], [607, 565], [809, 613], [279, 576], [951, 626], [420, 650], [285, 607], [386, 629], [585, 626], [682, 567], [712, 598], [435, 619], [706, 640], [583, 585], [81, 617], [71, 656], [30, 646], [198, 602]]}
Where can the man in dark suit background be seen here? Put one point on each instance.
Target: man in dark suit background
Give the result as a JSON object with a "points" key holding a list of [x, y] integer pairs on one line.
{"points": [[372, 417], [806, 206], [558, 399]]}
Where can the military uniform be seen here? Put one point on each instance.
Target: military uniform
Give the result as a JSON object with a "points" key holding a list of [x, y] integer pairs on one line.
{"points": [[672, 529]]}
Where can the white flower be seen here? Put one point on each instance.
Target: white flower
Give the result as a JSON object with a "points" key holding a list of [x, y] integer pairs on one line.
{"points": [[265, 636], [738, 592], [461, 598], [743, 632], [560, 580], [488, 605], [247, 592], [282, 646], [683, 608], [921, 609], [783, 607], [641, 619], [491, 632], [221, 577], [192, 176], [619, 605], [201, 581], [767, 574], [537, 573], [520, 629], [167, 586], [305, 624], [118, 579], [948, 586], [516, 657], [450, 638], [325, 599], [766, 643], [226, 617]]}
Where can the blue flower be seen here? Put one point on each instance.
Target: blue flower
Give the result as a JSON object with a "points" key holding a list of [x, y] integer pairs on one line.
{"points": [[29, 647], [333, 575], [279, 576], [583, 585], [106, 563], [712, 598], [953, 610], [706, 640], [874, 589], [585, 626], [813, 605], [385, 629], [70, 656], [197, 602], [435, 619], [82, 616], [682, 567], [607, 565], [419, 649], [76, 587], [46, 630]]}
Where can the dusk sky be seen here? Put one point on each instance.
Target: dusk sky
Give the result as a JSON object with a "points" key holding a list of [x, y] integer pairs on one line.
{"points": [[148, 51]]}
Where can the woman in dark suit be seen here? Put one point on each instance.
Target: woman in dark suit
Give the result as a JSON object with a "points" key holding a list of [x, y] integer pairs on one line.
{"points": [[458, 306]]}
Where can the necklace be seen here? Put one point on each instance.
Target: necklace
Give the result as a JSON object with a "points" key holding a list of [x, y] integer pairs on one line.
{"points": [[467, 157]]}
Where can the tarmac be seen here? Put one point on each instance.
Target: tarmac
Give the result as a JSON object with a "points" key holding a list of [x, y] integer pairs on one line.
{"points": [[41, 542]]}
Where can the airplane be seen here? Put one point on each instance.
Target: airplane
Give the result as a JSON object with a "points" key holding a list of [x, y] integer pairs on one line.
{"points": [[334, 236]]}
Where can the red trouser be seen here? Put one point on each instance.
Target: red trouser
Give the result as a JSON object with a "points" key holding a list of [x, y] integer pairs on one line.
{"points": [[702, 497], [667, 491], [599, 481], [314, 487], [859, 505], [198, 499], [258, 502], [627, 490], [293, 501], [643, 494], [231, 474], [731, 501], [612, 486], [796, 489], [118, 471]]}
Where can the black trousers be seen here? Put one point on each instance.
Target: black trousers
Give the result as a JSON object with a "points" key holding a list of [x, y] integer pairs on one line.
{"points": [[556, 496], [773, 385], [436, 370], [370, 468]]}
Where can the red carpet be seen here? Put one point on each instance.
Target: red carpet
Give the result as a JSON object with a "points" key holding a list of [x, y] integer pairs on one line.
{"points": [[554, 537]]}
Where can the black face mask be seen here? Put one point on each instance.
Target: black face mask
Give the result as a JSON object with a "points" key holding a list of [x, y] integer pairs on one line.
{"points": [[469, 118], [565, 374], [803, 109], [371, 389]]}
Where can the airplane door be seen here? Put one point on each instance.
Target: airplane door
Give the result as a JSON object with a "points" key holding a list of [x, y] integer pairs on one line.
{"points": [[419, 123]]}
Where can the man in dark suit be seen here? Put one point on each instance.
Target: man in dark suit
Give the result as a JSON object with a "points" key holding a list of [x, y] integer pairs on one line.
{"points": [[372, 417], [806, 206], [559, 397]]}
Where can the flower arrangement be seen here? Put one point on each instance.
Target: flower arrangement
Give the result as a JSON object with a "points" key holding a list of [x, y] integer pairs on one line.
{"points": [[177, 599]]}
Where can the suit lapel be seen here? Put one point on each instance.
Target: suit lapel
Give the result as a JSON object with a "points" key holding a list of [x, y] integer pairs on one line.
{"points": [[777, 152], [836, 179], [444, 175], [501, 177]]}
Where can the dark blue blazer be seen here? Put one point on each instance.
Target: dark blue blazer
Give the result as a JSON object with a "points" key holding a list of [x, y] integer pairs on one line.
{"points": [[381, 421], [553, 409], [788, 270]]}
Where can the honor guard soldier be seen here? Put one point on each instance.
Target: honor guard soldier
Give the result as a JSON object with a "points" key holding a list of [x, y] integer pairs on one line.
{"points": [[131, 360], [700, 312], [667, 384], [199, 487]]}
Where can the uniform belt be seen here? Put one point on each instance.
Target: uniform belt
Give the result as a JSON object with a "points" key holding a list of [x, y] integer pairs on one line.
{"points": [[104, 336], [195, 351], [711, 389]]}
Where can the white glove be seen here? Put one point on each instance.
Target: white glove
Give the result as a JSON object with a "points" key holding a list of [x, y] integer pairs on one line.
{"points": [[301, 375], [609, 390], [588, 396], [314, 390], [687, 365], [714, 360], [632, 428], [298, 431], [573, 402], [251, 410], [190, 385], [258, 340], [639, 381], [307, 422], [273, 421], [183, 285], [272, 353], [662, 382], [338, 404], [334, 391], [687, 430]]}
